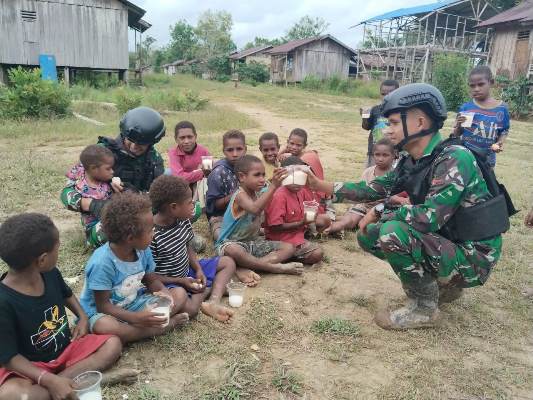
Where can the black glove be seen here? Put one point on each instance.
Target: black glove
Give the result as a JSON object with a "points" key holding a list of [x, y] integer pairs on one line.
{"points": [[96, 207]]}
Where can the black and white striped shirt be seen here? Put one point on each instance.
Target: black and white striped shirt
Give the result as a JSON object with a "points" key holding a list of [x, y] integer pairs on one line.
{"points": [[169, 248]]}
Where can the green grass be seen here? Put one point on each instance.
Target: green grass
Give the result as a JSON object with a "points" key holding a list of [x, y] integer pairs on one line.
{"points": [[335, 326], [286, 381]]}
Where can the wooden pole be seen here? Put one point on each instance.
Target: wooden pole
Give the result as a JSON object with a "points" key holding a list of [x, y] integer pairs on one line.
{"points": [[435, 28], [426, 57]]}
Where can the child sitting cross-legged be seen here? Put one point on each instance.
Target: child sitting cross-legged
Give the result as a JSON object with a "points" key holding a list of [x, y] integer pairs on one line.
{"points": [[119, 274], [285, 218], [176, 260], [239, 236], [39, 354]]}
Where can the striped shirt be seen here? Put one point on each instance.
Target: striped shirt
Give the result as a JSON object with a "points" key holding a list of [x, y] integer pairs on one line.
{"points": [[169, 248]]}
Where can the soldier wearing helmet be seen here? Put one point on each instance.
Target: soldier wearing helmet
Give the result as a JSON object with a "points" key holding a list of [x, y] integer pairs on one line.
{"points": [[137, 163], [433, 245]]}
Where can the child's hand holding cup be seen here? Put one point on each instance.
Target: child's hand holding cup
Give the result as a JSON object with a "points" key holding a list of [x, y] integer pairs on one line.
{"points": [[278, 176], [496, 147], [365, 112], [310, 211], [116, 184]]}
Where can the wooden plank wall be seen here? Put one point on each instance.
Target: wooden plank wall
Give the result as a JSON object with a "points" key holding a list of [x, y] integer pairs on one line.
{"points": [[323, 59], [80, 33]]}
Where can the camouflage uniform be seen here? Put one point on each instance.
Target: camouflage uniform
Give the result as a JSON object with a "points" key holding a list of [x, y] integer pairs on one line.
{"points": [[408, 237], [136, 173]]}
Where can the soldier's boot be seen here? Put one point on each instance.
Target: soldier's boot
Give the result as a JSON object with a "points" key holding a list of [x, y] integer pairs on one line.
{"points": [[420, 311], [447, 294]]}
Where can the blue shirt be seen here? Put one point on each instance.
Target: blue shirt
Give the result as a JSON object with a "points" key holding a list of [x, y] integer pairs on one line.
{"points": [[487, 127], [105, 271], [221, 182]]}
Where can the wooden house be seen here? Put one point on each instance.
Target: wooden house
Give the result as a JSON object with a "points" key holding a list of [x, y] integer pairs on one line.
{"points": [[258, 54], [81, 34], [321, 56], [511, 52], [172, 68]]}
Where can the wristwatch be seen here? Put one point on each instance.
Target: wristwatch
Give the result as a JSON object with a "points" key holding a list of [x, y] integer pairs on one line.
{"points": [[378, 209]]}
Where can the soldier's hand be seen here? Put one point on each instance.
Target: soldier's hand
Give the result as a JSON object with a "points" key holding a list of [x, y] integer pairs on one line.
{"points": [[370, 218], [528, 221]]}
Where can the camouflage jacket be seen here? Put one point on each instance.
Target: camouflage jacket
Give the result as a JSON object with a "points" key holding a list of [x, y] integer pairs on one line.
{"points": [[456, 180], [136, 173]]}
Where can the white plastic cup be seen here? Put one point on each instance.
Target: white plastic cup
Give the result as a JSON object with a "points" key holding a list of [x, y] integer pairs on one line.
{"points": [[161, 305], [207, 162], [365, 114], [296, 175], [236, 293], [469, 119], [87, 385], [310, 210], [116, 180]]}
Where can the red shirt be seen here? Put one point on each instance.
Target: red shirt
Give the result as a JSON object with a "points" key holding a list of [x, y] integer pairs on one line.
{"points": [[285, 207], [186, 165]]}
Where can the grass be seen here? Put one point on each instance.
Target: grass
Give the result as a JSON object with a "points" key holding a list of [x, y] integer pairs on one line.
{"points": [[321, 323]]}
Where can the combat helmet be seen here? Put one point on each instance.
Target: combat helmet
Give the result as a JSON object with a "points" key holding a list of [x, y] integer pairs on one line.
{"points": [[142, 125], [416, 95]]}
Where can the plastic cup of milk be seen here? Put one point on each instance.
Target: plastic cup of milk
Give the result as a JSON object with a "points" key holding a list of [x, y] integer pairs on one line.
{"points": [[310, 210], [87, 385], [365, 113], [116, 180], [207, 162], [161, 305], [469, 119], [236, 293], [296, 175]]}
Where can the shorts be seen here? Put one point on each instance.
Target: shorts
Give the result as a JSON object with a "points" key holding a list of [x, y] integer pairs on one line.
{"points": [[257, 248], [215, 224], [304, 249], [75, 352], [209, 268]]}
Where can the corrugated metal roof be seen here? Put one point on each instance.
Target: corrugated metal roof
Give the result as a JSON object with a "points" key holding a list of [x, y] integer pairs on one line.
{"points": [[248, 52], [290, 46], [135, 13], [404, 12], [521, 13]]}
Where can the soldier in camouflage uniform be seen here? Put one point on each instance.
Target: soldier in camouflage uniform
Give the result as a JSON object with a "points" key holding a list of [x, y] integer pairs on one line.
{"points": [[411, 237], [137, 164]]}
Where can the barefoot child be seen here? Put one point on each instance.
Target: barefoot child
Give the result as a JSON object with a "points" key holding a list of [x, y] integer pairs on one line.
{"points": [[175, 259], [113, 295], [372, 120], [239, 237], [489, 127], [269, 147], [222, 181], [91, 179], [383, 155], [285, 218], [38, 352]]}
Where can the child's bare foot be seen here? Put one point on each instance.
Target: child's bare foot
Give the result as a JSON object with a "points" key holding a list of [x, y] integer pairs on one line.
{"points": [[248, 277], [120, 375], [177, 320], [292, 268], [217, 311]]}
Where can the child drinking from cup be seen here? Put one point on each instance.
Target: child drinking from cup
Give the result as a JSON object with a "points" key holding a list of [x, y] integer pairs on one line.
{"points": [[286, 219], [239, 237], [93, 178], [483, 122], [176, 261], [39, 353], [269, 148], [373, 121], [383, 154], [119, 274]]}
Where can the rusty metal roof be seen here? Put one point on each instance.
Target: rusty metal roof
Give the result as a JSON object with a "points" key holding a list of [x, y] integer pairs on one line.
{"points": [[290, 46], [521, 13], [248, 52]]}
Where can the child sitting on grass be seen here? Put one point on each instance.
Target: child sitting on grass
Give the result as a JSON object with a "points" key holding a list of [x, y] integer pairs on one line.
{"points": [[491, 121], [113, 295], [383, 155], [239, 237], [376, 122], [222, 181], [269, 148], [175, 259], [38, 352], [296, 144], [285, 218], [91, 179]]}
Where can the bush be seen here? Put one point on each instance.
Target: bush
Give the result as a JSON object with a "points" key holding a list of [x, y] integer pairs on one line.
{"points": [[156, 80], [449, 76], [516, 95], [126, 99], [98, 80], [176, 101], [333, 82], [219, 66], [312, 82], [30, 96], [253, 71], [222, 78]]}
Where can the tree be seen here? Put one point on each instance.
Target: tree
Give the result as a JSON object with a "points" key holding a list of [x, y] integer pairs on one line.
{"points": [[183, 42], [259, 41], [213, 32], [306, 27], [503, 5]]}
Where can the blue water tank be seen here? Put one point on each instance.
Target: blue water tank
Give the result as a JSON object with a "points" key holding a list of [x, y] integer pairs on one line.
{"points": [[47, 63]]}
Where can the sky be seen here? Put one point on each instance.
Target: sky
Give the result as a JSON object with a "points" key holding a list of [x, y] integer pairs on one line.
{"points": [[269, 18]]}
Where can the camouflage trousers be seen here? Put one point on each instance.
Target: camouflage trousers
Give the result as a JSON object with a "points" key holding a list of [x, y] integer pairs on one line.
{"points": [[413, 254], [94, 236]]}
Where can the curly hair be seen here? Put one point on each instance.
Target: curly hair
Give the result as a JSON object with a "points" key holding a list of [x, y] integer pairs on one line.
{"points": [[95, 155], [268, 136], [121, 217], [299, 132], [184, 125], [25, 237], [244, 163], [168, 189], [233, 134], [482, 70]]}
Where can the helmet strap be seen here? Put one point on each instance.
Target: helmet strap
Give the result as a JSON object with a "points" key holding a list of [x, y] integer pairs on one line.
{"points": [[406, 137]]}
